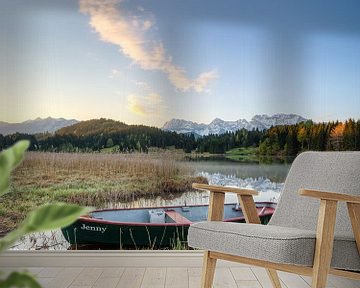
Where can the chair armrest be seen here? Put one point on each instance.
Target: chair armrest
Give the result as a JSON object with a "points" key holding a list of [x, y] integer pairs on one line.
{"points": [[352, 202], [327, 218], [323, 195], [222, 189]]}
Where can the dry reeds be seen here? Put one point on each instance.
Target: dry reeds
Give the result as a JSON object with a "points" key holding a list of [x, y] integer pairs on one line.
{"points": [[92, 179], [49, 166]]}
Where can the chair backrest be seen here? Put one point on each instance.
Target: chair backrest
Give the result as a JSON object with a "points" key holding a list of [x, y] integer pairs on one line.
{"points": [[326, 171]]}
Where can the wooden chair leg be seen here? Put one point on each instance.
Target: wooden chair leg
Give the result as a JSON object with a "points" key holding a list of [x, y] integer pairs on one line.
{"points": [[274, 278], [354, 212], [324, 243], [249, 209], [208, 270]]}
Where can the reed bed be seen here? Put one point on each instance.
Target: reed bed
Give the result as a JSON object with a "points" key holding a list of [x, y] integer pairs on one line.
{"points": [[92, 179], [107, 166]]}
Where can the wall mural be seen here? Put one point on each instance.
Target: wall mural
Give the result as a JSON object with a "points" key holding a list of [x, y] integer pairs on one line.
{"points": [[127, 103]]}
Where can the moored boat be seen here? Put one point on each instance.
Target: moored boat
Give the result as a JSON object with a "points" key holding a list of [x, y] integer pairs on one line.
{"points": [[150, 227]]}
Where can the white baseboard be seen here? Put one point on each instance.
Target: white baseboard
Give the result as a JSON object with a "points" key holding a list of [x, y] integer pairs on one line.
{"points": [[104, 259]]}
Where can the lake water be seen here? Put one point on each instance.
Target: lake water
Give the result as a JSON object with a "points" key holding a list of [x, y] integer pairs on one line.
{"points": [[268, 179]]}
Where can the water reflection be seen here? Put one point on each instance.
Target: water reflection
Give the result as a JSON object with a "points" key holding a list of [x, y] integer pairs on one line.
{"points": [[50, 240], [268, 191], [273, 172]]}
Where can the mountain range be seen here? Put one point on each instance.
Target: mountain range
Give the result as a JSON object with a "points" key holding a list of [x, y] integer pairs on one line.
{"points": [[37, 125], [219, 126]]}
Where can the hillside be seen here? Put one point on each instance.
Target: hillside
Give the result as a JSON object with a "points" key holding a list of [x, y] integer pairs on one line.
{"points": [[93, 127], [97, 134]]}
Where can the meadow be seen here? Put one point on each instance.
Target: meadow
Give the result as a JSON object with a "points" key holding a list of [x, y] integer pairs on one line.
{"points": [[92, 179], [243, 154]]}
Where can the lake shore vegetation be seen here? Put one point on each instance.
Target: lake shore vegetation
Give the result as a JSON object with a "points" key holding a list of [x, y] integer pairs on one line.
{"points": [[92, 179], [243, 154]]}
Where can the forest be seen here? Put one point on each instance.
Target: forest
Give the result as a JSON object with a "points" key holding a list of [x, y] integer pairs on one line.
{"points": [[117, 137]]}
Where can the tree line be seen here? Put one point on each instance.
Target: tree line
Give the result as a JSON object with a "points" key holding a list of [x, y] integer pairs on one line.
{"points": [[286, 140], [293, 139], [126, 141], [219, 144]]}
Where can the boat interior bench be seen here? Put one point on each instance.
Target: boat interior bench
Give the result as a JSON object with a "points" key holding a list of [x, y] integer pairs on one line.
{"points": [[177, 217]]}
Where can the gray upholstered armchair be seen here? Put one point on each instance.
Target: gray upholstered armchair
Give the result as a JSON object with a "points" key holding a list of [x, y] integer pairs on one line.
{"points": [[312, 232]]}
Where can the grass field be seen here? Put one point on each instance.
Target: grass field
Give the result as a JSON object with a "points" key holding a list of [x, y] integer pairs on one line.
{"points": [[91, 179], [243, 154]]}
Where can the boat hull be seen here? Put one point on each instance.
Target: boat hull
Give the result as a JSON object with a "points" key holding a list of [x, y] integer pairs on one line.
{"points": [[125, 235]]}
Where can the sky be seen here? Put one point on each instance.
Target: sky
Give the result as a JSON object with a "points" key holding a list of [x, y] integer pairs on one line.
{"points": [[148, 61]]}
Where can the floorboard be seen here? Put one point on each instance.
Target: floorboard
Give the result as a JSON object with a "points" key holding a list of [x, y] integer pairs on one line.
{"points": [[166, 271]]}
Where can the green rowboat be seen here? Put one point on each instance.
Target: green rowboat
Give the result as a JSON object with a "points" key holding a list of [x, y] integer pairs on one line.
{"points": [[148, 227]]}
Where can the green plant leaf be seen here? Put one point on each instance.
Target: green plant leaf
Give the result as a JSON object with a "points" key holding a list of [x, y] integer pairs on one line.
{"points": [[46, 217], [4, 180], [10, 238], [18, 151], [20, 280], [9, 159], [52, 216]]}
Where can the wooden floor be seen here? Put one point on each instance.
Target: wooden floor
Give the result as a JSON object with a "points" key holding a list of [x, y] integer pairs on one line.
{"points": [[162, 272], [171, 277]]}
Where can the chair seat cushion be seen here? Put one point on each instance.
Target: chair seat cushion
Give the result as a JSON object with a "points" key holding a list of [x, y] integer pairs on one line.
{"points": [[270, 243]]}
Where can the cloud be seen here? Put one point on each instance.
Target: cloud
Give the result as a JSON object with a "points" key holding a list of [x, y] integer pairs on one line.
{"points": [[114, 73], [143, 85], [147, 24], [128, 32], [148, 105]]}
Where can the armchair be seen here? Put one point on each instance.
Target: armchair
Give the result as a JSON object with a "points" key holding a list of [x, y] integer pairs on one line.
{"points": [[312, 232]]}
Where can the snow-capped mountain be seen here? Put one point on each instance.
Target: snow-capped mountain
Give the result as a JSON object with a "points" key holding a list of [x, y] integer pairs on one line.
{"points": [[265, 121], [183, 126], [37, 125], [219, 126]]}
